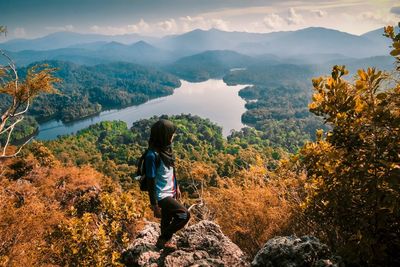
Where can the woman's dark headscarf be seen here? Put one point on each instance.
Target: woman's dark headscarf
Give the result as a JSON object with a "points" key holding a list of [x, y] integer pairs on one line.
{"points": [[160, 140]]}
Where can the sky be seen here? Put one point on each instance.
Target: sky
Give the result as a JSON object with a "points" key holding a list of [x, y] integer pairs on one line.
{"points": [[35, 18]]}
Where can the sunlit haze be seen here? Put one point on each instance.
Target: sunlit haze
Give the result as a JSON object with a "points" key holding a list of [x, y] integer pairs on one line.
{"points": [[35, 18]]}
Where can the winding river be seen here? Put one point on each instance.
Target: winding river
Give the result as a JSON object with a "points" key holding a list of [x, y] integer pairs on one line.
{"points": [[211, 99]]}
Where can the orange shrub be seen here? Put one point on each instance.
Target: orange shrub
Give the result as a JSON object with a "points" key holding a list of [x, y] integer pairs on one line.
{"points": [[44, 206], [256, 205]]}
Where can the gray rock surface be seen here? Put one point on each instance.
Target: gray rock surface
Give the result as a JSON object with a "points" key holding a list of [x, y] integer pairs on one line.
{"points": [[292, 251], [202, 244]]}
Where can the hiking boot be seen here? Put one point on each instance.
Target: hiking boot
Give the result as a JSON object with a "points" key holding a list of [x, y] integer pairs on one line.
{"points": [[165, 244], [161, 243], [169, 245]]}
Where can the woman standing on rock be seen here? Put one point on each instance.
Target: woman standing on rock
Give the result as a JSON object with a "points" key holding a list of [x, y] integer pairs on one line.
{"points": [[163, 189]]}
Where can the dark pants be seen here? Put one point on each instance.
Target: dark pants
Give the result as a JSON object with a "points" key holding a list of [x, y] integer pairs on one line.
{"points": [[174, 216]]}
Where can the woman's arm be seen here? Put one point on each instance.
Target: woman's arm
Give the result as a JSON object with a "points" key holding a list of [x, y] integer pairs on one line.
{"points": [[177, 189], [151, 170]]}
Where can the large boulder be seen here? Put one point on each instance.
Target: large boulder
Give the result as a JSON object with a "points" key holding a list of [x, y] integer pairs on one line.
{"points": [[202, 244], [292, 251]]}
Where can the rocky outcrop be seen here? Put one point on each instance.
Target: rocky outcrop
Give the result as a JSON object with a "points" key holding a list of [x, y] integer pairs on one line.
{"points": [[292, 251], [202, 244]]}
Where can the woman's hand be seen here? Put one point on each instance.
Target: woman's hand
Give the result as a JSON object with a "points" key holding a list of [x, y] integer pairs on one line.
{"points": [[178, 193], [156, 211]]}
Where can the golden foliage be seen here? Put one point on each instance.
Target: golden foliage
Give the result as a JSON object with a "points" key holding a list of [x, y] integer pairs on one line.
{"points": [[389, 32], [39, 79], [51, 214], [96, 238], [353, 192], [256, 204]]}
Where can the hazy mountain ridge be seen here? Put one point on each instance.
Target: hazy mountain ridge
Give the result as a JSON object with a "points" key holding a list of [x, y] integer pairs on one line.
{"points": [[377, 37], [64, 39], [139, 52], [313, 40], [208, 64]]}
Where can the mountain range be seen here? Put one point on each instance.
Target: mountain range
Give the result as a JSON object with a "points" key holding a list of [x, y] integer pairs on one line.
{"points": [[66, 39], [201, 54], [309, 40]]}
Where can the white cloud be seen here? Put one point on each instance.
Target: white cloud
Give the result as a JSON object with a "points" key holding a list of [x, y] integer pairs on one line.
{"points": [[219, 24], [140, 27], [273, 21], [183, 24], [109, 30], [189, 23], [319, 13], [68, 28], [375, 17], [168, 25], [294, 18], [19, 32]]}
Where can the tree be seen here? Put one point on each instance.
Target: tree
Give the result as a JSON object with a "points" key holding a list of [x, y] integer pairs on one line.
{"points": [[354, 169], [19, 94]]}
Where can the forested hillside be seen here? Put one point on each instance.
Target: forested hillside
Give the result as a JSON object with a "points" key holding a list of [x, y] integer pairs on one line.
{"points": [[208, 65], [208, 165], [111, 146], [277, 102], [87, 90]]}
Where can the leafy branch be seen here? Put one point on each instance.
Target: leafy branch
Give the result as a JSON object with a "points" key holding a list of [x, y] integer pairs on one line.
{"points": [[39, 79]]}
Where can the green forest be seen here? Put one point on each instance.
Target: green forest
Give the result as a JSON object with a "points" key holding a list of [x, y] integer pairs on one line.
{"points": [[277, 103], [87, 90]]}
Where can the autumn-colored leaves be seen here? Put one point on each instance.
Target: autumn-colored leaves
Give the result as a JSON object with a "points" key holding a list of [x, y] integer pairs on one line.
{"points": [[353, 171], [390, 33]]}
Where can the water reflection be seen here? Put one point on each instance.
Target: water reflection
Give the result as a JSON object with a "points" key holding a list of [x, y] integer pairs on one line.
{"points": [[211, 99]]}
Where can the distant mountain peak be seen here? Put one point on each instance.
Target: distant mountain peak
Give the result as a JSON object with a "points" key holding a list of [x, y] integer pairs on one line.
{"points": [[142, 43], [113, 45], [144, 46], [215, 30], [322, 29]]}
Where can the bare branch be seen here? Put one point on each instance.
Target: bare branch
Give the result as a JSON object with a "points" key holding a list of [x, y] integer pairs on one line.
{"points": [[8, 112], [12, 125], [11, 63], [18, 151], [8, 139], [22, 95], [22, 112], [11, 129]]}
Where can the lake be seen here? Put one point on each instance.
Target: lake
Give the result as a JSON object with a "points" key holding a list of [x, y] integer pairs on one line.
{"points": [[211, 99]]}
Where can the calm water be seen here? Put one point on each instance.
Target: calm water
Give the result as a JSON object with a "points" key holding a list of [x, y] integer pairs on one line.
{"points": [[211, 99]]}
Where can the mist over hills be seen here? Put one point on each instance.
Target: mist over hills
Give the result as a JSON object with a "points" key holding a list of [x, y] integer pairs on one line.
{"points": [[213, 39], [209, 64], [65, 39], [377, 37], [97, 53], [311, 40], [202, 54]]}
